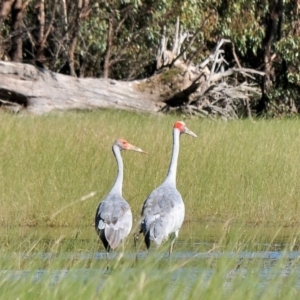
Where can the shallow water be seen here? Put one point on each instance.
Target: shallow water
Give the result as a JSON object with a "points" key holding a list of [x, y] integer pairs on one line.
{"points": [[266, 273], [197, 249]]}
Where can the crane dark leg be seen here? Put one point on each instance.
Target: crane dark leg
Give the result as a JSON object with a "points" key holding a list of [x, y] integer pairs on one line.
{"points": [[147, 239], [107, 257], [106, 245]]}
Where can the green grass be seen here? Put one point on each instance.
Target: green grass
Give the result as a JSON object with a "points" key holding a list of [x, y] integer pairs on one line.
{"points": [[241, 170], [239, 181], [49, 265]]}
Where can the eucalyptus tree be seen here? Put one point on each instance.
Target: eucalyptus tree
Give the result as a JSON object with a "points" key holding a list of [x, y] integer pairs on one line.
{"points": [[120, 39]]}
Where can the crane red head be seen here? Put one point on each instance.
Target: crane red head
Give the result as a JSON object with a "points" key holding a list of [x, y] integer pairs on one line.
{"points": [[180, 125], [124, 145]]}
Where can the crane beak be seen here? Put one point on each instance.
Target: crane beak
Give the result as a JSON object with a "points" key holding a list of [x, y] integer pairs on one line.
{"points": [[134, 148], [190, 132]]}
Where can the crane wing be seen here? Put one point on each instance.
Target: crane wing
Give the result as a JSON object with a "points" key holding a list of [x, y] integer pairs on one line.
{"points": [[113, 220]]}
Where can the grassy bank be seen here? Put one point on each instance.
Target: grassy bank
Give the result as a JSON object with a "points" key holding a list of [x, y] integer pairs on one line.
{"points": [[239, 171], [233, 175]]}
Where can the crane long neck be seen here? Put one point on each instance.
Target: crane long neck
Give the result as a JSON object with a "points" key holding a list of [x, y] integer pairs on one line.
{"points": [[171, 176], [117, 187]]}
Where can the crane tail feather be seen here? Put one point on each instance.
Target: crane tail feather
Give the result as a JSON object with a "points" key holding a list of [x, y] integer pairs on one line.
{"points": [[114, 237]]}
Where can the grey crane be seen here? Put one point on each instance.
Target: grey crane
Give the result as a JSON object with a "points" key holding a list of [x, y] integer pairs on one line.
{"points": [[163, 211], [113, 220]]}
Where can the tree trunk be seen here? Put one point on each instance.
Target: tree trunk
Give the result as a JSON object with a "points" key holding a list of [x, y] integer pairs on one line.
{"points": [[81, 6], [16, 52], [273, 33], [44, 32], [108, 48], [41, 41], [5, 9], [65, 17], [41, 91]]}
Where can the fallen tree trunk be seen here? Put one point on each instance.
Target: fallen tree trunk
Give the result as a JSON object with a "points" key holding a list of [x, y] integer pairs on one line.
{"points": [[41, 91], [211, 88]]}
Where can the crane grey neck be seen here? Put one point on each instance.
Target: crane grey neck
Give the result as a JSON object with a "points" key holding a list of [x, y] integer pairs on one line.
{"points": [[117, 187], [171, 176]]}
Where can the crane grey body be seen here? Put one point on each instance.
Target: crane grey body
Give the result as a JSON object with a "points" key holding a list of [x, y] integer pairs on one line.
{"points": [[163, 211], [113, 219], [162, 214]]}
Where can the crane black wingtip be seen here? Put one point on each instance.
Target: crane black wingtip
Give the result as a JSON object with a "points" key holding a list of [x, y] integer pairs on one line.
{"points": [[147, 240]]}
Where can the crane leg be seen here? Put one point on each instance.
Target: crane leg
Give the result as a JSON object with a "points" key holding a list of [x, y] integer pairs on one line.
{"points": [[107, 257], [135, 238], [171, 247], [174, 237], [107, 261]]}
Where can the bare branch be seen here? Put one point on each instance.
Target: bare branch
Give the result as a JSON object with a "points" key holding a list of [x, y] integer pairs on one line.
{"points": [[120, 24], [215, 91], [180, 54], [216, 56]]}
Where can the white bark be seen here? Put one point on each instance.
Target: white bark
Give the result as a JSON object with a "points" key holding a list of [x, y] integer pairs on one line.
{"points": [[42, 91]]}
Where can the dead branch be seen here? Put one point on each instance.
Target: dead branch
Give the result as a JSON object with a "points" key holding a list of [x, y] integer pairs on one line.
{"points": [[211, 87]]}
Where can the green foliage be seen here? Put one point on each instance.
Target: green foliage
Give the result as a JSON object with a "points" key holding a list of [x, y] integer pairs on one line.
{"points": [[137, 27], [289, 48], [243, 22]]}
